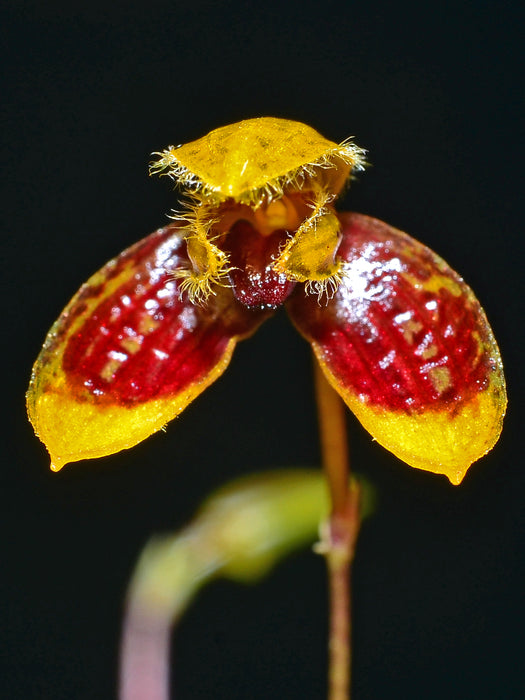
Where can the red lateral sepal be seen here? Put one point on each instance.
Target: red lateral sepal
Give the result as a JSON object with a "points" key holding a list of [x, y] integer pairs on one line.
{"points": [[408, 347], [129, 353]]}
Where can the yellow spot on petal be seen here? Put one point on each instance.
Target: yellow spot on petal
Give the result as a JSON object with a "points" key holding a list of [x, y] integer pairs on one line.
{"points": [[110, 368], [132, 344], [440, 378], [147, 324], [410, 329], [435, 283], [428, 352]]}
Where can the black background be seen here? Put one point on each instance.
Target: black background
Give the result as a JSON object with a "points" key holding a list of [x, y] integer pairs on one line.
{"points": [[434, 92]]}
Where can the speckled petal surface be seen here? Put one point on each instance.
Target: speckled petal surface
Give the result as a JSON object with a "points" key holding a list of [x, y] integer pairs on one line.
{"points": [[406, 344], [128, 353]]}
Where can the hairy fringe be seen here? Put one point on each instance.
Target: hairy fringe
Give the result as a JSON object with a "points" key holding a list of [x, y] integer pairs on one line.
{"points": [[346, 151]]}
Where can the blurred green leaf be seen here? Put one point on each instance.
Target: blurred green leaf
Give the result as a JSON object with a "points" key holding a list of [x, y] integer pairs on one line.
{"points": [[240, 533]]}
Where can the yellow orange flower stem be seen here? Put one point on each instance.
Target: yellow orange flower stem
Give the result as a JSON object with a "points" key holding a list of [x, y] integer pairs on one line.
{"points": [[339, 533]]}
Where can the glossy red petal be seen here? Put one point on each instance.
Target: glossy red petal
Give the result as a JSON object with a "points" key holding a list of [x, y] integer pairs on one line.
{"points": [[408, 347], [128, 353]]}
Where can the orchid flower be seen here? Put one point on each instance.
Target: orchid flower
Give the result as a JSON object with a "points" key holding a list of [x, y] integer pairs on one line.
{"points": [[397, 333]]}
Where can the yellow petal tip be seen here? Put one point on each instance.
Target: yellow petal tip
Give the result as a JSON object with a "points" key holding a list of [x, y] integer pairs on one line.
{"points": [[57, 464], [457, 477]]}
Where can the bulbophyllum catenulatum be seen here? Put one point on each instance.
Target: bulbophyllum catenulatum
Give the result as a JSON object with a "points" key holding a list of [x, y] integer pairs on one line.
{"points": [[397, 333]]}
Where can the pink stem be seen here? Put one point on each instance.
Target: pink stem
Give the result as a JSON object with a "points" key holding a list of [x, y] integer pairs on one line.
{"points": [[144, 659]]}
